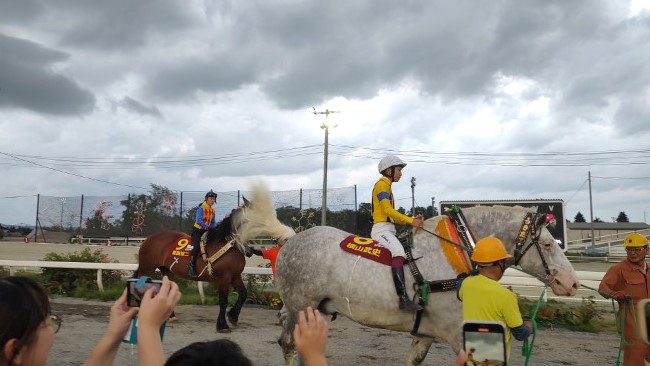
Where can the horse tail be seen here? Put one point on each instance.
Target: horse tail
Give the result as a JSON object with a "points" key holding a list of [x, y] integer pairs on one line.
{"points": [[261, 216]]}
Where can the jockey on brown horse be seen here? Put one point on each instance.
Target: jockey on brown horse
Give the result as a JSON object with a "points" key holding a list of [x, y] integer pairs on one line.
{"points": [[204, 221]]}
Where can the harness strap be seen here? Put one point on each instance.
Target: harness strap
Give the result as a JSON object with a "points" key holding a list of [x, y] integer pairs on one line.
{"points": [[465, 234], [213, 258]]}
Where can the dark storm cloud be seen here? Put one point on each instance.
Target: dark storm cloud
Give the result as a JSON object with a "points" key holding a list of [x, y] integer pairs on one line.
{"points": [[308, 52], [120, 24], [140, 108], [27, 80]]}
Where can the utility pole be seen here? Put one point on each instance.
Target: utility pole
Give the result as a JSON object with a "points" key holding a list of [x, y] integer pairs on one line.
{"points": [[324, 126], [591, 212], [412, 196]]}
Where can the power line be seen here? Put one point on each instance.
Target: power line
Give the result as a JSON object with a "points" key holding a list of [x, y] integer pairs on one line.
{"points": [[69, 173]]}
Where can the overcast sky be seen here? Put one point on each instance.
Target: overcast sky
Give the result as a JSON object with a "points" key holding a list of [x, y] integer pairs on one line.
{"points": [[482, 99]]}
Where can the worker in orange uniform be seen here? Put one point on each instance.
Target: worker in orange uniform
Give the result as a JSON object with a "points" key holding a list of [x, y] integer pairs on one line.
{"points": [[628, 282]]}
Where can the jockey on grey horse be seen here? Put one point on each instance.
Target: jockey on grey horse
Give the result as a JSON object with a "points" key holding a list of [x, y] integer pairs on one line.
{"points": [[384, 218]]}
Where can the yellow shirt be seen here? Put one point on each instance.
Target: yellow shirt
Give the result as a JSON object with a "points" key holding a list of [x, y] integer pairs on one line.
{"points": [[485, 299], [383, 205]]}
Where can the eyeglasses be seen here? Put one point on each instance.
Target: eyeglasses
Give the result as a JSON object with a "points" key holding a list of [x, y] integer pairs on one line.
{"points": [[55, 322], [636, 249]]}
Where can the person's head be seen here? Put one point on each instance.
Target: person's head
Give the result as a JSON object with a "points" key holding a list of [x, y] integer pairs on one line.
{"points": [[636, 246], [211, 197], [391, 166], [490, 256], [26, 334], [220, 352]]}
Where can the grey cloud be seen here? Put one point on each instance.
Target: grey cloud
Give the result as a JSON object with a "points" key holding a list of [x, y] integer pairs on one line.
{"points": [[633, 115], [26, 80], [121, 24], [140, 108], [19, 12]]}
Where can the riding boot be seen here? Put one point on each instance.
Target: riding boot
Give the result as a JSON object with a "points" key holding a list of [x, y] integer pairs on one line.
{"points": [[190, 270], [404, 302]]}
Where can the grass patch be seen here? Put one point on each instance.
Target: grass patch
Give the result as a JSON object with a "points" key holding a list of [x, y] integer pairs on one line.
{"points": [[585, 317]]}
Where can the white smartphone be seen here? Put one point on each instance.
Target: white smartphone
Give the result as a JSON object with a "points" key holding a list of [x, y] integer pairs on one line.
{"points": [[484, 343]]}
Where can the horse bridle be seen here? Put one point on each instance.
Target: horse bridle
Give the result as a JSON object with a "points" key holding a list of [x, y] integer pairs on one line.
{"points": [[532, 226]]}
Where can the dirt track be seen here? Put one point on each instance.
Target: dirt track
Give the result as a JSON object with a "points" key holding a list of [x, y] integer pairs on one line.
{"points": [[350, 344]]}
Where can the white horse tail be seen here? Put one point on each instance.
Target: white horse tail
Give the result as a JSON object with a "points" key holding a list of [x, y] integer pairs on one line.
{"points": [[261, 216]]}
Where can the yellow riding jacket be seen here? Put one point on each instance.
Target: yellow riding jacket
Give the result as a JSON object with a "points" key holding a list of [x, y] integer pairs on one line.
{"points": [[383, 205], [205, 217]]}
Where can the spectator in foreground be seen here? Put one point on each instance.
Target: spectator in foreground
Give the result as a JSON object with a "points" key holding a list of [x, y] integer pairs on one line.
{"points": [[27, 326]]}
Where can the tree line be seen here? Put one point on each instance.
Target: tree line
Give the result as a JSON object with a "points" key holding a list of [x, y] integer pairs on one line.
{"points": [[622, 217]]}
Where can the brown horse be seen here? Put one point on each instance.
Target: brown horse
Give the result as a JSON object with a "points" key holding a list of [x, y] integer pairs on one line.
{"points": [[169, 251]]}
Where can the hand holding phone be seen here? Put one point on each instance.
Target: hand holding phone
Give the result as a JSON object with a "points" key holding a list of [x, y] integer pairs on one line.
{"points": [[484, 341], [135, 289]]}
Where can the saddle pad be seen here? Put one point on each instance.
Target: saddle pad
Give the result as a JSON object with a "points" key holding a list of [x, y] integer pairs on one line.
{"points": [[367, 248], [183, 247], [456, 256]]}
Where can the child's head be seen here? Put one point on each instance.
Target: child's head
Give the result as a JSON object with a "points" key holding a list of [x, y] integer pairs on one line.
{"points": [[26, 336], [220, 352]]}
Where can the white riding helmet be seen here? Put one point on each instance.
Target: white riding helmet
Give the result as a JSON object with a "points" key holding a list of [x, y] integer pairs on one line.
{"points": [[389, 161]]}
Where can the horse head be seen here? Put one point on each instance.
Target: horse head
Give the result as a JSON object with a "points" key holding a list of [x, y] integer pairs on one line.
{"points": [[527, 238], [545, 259]]}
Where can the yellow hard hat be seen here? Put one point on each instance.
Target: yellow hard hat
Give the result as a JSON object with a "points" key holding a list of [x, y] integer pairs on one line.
{"points": [[635, 240], [488, 250]]}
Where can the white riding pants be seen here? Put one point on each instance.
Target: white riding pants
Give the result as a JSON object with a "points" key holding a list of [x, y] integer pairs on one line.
{"points": [[385, 234]]}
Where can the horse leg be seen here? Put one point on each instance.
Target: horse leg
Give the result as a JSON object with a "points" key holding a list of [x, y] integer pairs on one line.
{"points": [[285, 341], [222, 325], [419, 349], [240, 287]]}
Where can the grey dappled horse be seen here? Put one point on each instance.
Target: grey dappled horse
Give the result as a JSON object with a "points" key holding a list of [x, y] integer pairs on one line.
{"points": [[312, 270]]}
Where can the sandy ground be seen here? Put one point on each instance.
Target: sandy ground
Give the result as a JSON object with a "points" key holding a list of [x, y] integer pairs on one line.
{"points": [[349, 344]]}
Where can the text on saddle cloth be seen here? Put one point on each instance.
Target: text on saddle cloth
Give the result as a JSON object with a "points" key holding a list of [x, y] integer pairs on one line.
{"points": [[367, 248]]}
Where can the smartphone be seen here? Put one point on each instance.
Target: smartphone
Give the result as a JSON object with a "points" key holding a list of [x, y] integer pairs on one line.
{"points": [[643, 319], [134, 292], [484, 341]]}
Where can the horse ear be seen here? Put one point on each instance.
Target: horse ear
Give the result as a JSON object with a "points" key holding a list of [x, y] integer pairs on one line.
{"points": [[246, 202]]}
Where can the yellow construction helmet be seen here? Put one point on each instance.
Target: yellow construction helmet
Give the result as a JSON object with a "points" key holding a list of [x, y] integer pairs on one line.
{"points": [[488, 250], [635, 240]]}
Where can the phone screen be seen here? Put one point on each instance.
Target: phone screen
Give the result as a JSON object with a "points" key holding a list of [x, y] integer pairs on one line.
{"points": [[134, 294], [484, 343]]}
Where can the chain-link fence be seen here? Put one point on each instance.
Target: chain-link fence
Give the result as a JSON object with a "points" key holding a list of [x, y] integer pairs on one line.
{"points": [[139, 215]]}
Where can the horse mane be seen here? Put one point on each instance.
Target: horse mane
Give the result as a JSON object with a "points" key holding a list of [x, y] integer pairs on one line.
{"points": [[222, 231], [261, 218]]}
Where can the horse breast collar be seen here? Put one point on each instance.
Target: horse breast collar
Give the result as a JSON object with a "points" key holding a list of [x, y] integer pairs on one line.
{"points": [[532, 225]]}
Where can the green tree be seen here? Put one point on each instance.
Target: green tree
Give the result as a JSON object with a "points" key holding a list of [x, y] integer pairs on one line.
{"points": [[579, 217], [622, 217], [364, 219], [597, 219]]}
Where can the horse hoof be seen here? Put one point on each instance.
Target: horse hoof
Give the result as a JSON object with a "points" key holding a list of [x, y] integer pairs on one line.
{"points": [[225, 330]]}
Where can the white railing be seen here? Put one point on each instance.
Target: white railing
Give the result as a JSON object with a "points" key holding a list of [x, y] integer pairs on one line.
{"points": [[12, 265], [525, 285]]}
